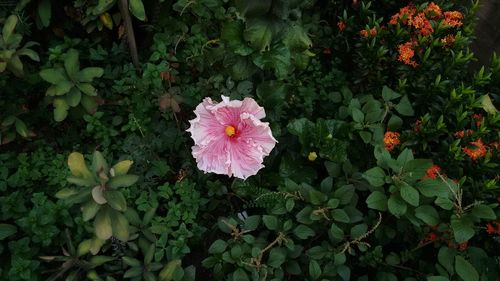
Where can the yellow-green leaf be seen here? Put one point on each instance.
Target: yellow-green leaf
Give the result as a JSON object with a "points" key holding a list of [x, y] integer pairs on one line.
{"points": [[122, 167], [76, 164]]}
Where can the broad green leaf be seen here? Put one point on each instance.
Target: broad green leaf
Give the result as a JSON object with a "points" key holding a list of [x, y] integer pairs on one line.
{"points": [[248, 8], [396, 205], [87, 89], [463, 229], [60, 88], [488, 105], [122, 167], [53, 75], [259, 34], [395, 122], [116, 200], [483, 212], [271, 222], [74, 97], [82, 181], [84, 247], [427, 214], [99, 163], [465, 270], [132, 262], [433, 188], [122, 181], [336, 232], [89, 210], [119, 225], [8, 27], [21, 128], [66, 193], [44, 12], [240, 275], [388, 94], [446, 256], [77, 166], [71, 63], [297, 39], [375, 176], [167, 273], [252, 222], [29, 53], [409, 194], [404, 107], [314, 270], [377, 200], [137, 9], [89, 104], [303, 232], [15, 66], [6, 230], [340, 215], [437, 278], [102, 224], [89, 73], [232, 36], [217, 247], [277, 257], [100, 260]]}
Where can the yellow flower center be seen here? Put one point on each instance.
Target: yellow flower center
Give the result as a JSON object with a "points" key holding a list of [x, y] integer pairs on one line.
{"points": [[230, 131]]}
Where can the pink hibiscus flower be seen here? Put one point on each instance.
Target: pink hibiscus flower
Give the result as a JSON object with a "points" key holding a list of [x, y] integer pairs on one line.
{"points": [[229, 137]]}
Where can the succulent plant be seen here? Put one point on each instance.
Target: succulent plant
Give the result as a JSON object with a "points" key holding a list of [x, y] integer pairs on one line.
{"points": [[98, 193]]}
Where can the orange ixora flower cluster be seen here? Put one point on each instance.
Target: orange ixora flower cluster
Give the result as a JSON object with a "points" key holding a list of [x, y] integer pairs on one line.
{"points": [[463, 133], [477, 151], [371, 32], [406, 53], [391, 140], [420, 22], [432, 172]]}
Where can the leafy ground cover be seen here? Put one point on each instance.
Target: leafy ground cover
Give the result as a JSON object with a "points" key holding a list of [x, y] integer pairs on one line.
{"points": [[385, 166]]}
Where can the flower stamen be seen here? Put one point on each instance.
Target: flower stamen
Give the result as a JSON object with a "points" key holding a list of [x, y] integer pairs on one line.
{"points": [[230, 131]]}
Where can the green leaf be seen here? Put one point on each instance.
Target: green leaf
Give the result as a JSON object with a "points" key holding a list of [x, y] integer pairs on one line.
{"points": [[122, 181], [463, 229], [271, 222], [483, 212], [116, 200], [122, 167], [21, 128], [340, 215], [132, 262], [404, 107], [276, 258], [82, 182], [8, 27], [137, 9], [89, 73], [89, 210], [433, 188], [89, 104], [119, 225], [488, 105], [53, 75], [259, 33], [388, 94], [395, 122], [60, 88], [87, 89], [303, 232], [99, 163], [375, 176], [66, 193], [29, 53], [167, 273], [240, 275], [252, 222], [357, 115], [249, 8], [377, 200], [427, 214], [102, 224], [232, 36], [437, 278], [314, 270], [446, 256], [71, 63], [396, 205], [465, 270], [6, 230], [409, 194], [218, 247], [344, 193], [78, 167], [336, 232], [44, 12], [297, 39], [74, 97]]}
